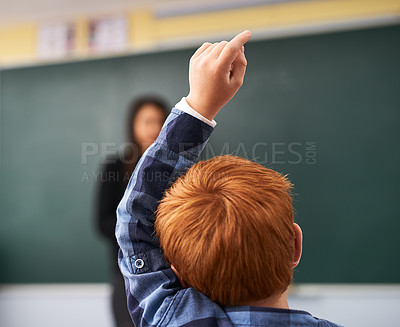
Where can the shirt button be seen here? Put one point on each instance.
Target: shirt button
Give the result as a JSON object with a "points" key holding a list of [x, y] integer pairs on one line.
{"points": [[139, 263]]}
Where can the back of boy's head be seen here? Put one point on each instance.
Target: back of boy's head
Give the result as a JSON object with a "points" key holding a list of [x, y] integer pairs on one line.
{"points": [[227, 228]]}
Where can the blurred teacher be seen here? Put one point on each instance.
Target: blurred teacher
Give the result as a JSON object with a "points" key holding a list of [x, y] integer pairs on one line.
{"points": [[146, 116]]}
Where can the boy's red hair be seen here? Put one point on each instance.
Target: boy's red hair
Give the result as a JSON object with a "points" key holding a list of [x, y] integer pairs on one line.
{"points": [[227, 227]]}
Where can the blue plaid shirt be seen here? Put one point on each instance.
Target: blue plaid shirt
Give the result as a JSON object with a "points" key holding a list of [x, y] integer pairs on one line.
{"points": [[155, 296]]}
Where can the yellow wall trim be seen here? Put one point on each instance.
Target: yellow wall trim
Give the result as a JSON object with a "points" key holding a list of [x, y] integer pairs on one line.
{"points": [[273, 16], [18, 42]]}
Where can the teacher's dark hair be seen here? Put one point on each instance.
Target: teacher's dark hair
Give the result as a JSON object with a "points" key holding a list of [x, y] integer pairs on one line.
{"points": [[137, 104], [131, 153]]}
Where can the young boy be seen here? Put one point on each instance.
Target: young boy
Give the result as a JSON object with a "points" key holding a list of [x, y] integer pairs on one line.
{"points": [[226, 242]]}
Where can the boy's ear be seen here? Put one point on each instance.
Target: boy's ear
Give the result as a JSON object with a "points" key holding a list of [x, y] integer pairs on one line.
{"points": [[183, 283], [298, 244]]}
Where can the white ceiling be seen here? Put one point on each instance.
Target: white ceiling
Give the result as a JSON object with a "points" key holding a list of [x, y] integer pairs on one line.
{"points": [[12, 11]]}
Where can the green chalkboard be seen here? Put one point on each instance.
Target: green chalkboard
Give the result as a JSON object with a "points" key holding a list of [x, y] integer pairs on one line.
{"points": [[325, 109]]}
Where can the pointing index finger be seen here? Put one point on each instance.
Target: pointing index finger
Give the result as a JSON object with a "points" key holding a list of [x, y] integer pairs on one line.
{"points": [[228, 54]]}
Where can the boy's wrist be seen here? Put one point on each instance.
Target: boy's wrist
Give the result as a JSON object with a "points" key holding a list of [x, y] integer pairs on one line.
{"points": [[184, 106], [201, 108]]}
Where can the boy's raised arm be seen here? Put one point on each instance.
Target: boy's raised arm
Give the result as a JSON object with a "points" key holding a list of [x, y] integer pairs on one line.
{"points": [[216, 73]]}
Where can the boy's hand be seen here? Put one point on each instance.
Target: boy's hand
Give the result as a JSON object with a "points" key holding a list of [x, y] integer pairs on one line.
{"points": [[216, 73]]}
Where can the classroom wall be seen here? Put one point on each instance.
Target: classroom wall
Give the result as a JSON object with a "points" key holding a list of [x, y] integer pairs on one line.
{"points": [[331, 96], [150, 29]]}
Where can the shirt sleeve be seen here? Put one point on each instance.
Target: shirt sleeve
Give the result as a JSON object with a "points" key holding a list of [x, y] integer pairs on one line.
{"points": [[184, 106], [151, 285]]}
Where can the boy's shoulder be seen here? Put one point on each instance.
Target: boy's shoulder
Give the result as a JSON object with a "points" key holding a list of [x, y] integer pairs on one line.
{"points": [[193, 308], [325, 323]]}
